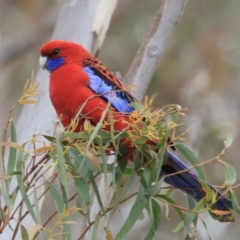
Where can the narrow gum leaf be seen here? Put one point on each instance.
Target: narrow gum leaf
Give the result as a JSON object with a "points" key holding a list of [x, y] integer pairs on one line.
{"points": [[134, 214], [93, 158], [229, 140], [44, 149], [219, 212], [25, 102], [230, 174], [191, 158], [24, 233], [12, 144]]}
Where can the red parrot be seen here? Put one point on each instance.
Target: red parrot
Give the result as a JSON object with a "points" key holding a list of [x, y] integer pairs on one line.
{"points": [[79, 80]]}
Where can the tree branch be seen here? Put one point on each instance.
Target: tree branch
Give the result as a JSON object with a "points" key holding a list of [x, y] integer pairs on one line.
{"points": [[151, 51]]}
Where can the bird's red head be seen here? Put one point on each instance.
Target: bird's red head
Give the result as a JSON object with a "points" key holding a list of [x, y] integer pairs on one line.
{"points": [[58, 52]]}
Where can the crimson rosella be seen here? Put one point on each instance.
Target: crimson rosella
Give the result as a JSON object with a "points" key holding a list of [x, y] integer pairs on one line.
{"points": [[79, 80]]}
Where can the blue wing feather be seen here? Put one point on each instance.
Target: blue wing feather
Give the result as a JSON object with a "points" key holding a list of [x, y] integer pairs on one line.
{"points": [[106, 89]]}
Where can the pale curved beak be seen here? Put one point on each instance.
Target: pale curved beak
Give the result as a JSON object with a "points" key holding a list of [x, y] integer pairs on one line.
{"points": [[43, 61]]}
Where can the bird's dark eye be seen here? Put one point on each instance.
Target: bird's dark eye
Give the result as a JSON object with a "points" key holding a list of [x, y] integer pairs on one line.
{"points": [[56, 51]]}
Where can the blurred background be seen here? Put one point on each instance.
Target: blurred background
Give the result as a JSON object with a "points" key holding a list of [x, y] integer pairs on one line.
{"points": [[199, 70]]}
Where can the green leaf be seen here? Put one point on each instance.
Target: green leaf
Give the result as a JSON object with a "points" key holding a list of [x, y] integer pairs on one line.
{"points": [[36, 201], [122, 189], [24, 233], [81, 163], [171, 202], [153, 190], [80, 203], [174, 117], [192, 204], [187, 223], [83, 188], [80, 183], [97, 127], [16, 173], [111, 119], [138, 159], [127, 171], [191, 158], [64, 194], [57, 198], [95, 227], [230, 174], [229, 140], [61, 207], [155, 217], [2, 170], [81, 135], [13, 197], [22, 187], [105, 136], [235, 204], [66, 230], [141, 140], [135, 213], [95, 188], [7, 200], [210, 195], [191, 216], [137, 105], [12, 152], [155, 167], [144, 175], [49, 138], [61, 164], [104, 165]]}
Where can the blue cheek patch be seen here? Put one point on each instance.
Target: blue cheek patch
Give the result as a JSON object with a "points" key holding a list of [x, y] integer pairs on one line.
{"points": [[53, 64], [99, 85]]}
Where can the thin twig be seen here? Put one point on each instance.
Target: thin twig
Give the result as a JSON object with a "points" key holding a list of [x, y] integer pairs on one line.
{"points": [[198, 165]]}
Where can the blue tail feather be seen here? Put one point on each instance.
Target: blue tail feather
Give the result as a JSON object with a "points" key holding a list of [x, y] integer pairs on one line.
{"points": [[190, 183]]}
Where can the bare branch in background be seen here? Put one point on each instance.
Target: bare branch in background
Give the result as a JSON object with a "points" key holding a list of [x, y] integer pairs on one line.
{"points": [[150, 52]]}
